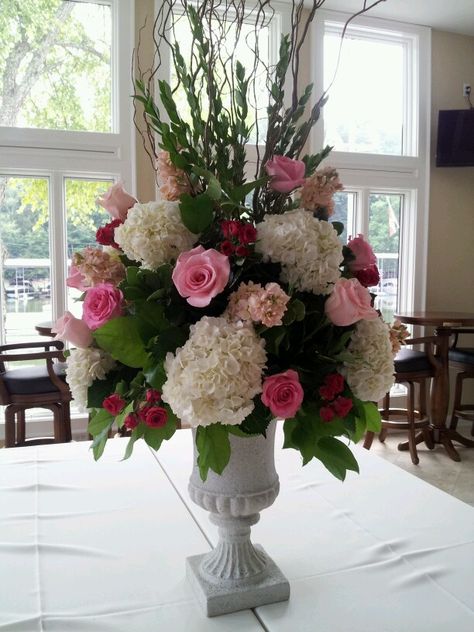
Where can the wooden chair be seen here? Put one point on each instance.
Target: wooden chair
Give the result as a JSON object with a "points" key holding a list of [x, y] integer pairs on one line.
{"points": [[28, 387], [412, 368], [462, 358]]}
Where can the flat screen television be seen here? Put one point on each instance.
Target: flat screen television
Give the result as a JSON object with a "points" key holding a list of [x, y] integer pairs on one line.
{"points": [[455, 146]]}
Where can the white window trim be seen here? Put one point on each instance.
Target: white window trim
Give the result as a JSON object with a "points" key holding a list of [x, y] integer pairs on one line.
{"points": [[400, 174]]}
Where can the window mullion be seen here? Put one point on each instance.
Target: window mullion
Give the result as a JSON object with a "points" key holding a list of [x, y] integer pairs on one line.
{"points": [[57, 222]]}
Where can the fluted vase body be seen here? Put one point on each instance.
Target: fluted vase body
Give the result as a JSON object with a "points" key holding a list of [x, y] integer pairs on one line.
{"points": [[236, 574]]}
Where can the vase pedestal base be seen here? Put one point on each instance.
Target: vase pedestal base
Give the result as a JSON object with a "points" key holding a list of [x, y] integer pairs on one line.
{"points": [[228, 596]]}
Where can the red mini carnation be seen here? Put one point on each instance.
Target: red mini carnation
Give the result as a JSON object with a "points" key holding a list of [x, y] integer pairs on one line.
{"points": [[368, 277], [227, 248], [327, 413], [105, 234], [333, 385], [152, 396], [230, 228], [342, 406], [131, 421], [242, 251], [247, 233], [114, 404]]}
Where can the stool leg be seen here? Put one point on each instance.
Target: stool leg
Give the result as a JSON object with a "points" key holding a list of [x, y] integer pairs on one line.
{"points": [[411, 421], [457, 401], [20, 427], [58, 423], [385, 415], [67, 421], [9, 427], [369, 437]]}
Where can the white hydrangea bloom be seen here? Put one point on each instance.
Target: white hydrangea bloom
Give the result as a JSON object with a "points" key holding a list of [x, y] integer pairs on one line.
{"points": [[308, 249], [369, 368], [154, 234], [83, 367], [215, 375]]}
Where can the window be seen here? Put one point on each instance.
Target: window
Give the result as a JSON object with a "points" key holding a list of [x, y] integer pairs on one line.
{"points": [[377, 119], [65, 134]]}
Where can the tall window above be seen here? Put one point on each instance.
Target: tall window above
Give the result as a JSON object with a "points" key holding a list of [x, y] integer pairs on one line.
{"points": [[55, 65], [372, 106]]}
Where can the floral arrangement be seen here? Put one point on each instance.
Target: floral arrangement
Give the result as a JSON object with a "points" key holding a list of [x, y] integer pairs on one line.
{"points": [[210, 310]]}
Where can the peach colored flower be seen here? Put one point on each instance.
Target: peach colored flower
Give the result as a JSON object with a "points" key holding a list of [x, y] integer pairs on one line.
{"points": [[96, 266], [252, 302], [318, 190], [398, 334], [171, 180]]}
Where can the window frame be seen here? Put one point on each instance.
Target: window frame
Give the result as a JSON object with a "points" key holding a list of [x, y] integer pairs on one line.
{"points": [[43, 153], [405, 174]]}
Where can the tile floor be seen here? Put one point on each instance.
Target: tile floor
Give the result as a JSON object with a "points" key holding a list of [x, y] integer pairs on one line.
{"points": [[435, 467]]}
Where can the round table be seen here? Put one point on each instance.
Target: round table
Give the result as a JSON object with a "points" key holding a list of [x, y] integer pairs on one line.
{"points": [[44, 329], [444, 323]]}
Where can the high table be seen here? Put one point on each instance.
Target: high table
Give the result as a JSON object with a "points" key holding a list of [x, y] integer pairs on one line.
{"points": [[99, 547], [444, 323]]}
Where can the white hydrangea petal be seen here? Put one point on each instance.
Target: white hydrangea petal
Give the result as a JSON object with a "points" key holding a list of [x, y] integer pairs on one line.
{"points": [[83, 367], [214, 377], [308, 249]]}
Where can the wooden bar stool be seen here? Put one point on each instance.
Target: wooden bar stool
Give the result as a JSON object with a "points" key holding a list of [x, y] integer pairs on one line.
{"points": [[462, 358], [415, 369], [42, 386]]}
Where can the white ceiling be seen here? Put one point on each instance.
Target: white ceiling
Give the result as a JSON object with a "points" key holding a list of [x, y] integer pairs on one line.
{"points": [[456, 16]]}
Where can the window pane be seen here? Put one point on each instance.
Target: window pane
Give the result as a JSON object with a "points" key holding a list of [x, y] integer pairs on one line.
{"points": [[55, 70], [364, 112], [84, 217], [344, 211], [25, 256], [384, 237], [244, 51]]}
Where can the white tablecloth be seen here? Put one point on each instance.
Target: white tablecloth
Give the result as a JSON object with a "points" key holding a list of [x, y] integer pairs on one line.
{"points": [[88, 546]]}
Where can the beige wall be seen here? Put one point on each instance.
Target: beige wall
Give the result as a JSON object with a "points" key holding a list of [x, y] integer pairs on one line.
{"points": [[145, 173], [450, 270]]}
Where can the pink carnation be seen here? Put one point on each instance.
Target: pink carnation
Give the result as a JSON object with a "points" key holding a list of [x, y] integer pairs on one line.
{"points": [[252, 302], [318, 190], [348, 303], [102, 303], [201, 274], [171, 180]]}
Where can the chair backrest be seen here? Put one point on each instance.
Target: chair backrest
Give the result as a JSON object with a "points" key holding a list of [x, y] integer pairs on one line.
{"points": [[45, 350], [430, 344]]}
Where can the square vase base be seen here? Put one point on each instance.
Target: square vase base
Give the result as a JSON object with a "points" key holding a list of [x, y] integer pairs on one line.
{"points": [[216, 599]]}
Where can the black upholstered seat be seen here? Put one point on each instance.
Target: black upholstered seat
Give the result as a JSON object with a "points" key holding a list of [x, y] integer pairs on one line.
{"points": [[408, 360], [465, 355], [32, 380]]}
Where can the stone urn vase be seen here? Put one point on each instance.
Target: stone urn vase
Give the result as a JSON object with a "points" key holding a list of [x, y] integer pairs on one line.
{"points": [[237, 574]]}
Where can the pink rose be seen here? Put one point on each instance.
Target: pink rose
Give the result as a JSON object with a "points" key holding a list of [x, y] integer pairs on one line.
{"points": [[102, 303], [287, 174], [114, 404], [117, 201], [76, 279], [201, 274], [72, 329], [349, 302], [364, 255], [283, 394]]}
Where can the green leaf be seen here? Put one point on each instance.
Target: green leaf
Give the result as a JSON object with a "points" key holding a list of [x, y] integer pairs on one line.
{"points": [[373, 418], [335, 456], [121, 338], [100, 389], [100, 420], [120, 418], [169, 340], [137, 433], [197, 212], [338, 227], [213, 447], [239, 193], [155, 373], [100, 440]]}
